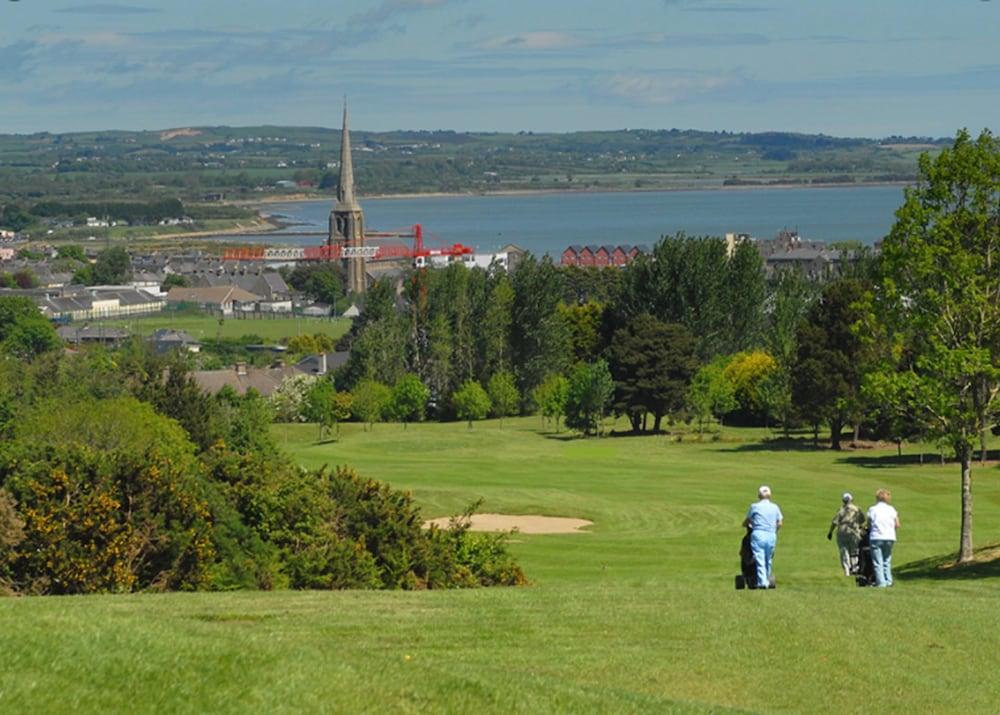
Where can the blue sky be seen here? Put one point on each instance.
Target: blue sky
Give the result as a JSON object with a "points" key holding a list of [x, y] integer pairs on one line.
{"points": [[852, 67]]}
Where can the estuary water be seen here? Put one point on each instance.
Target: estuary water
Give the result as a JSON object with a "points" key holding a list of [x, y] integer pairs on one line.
{"points": [[547, 223]]}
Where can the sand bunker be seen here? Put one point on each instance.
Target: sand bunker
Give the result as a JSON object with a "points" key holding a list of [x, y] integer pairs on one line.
{"points": [[525, 524]]}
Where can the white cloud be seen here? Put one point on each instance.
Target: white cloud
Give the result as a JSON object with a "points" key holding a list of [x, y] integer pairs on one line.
{"points": [[641, 88]]}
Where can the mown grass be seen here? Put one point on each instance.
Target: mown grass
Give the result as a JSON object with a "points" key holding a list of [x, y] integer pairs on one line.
{"points": [[638, 615], [209, 327]]}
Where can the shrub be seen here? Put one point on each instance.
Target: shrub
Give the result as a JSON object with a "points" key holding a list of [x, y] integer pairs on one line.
{"points": [[96, 521]]}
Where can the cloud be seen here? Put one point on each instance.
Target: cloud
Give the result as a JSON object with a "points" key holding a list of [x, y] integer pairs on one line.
{"points": [[660, 88], [107, 9], [542, 40], [390, 9]]}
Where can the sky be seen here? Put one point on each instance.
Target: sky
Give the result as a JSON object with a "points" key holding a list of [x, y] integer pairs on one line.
{"points": [[848, 68]]}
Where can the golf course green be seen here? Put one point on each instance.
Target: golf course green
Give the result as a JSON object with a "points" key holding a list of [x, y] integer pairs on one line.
{"points": [[636, 613]]}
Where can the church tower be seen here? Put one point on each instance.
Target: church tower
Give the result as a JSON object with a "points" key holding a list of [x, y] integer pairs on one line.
{"points": [[347, 221]]}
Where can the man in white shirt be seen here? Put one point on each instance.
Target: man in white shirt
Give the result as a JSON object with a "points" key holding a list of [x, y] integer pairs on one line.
{"points": [[883, 520]]}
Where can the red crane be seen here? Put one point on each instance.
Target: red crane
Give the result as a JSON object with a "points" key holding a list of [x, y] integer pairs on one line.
{"points": [[418, 252]]}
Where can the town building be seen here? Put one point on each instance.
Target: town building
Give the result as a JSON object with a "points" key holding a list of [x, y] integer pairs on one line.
{"points": [[601, 256], [169, 340], [227, 299]]}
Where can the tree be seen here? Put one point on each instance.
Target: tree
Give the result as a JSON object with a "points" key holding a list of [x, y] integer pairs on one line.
{"points": [[319, 407], [684, 280], [25, 279], [322, 281], [550, 397], [174, 280], [471, 402], [584, 324], [941, 296], [15, 218], [746, 291], [24, 332], [113, 267], [73, 252], [588, 394], [181, 398], [377, 340], [711, 393], [747, 372], [250, 421], [540, 341], [792, 294], [370, 401], [502, 390], [343, 402], [291, 398], [826, 383], [409, 399], [310, 344], [495, 329], [652, 363]]}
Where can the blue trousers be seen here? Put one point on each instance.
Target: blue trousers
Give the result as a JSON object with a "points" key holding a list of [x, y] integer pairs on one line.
{"points": [[882, 561], [762, 546]]}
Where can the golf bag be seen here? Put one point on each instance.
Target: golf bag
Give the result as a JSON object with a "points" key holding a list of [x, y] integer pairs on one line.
{"points": [[864, 572], [747, 578]]}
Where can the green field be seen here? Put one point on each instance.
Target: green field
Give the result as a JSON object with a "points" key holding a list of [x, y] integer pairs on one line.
{"points": [[206, 326], [639, 615]]}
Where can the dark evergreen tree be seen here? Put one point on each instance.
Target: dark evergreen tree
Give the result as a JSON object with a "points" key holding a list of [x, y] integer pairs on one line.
{"points": [[652, 364], [826, 384], [113, 267]]}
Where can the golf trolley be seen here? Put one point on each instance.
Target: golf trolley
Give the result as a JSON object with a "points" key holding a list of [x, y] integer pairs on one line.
{"points": [[747, 578]]}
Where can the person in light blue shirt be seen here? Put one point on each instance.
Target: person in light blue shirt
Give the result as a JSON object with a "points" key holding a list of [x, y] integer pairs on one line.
{"points": [[764, 518]]}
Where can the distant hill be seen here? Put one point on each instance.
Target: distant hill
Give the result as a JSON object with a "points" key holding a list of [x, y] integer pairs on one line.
{"points": [[197, 163]]}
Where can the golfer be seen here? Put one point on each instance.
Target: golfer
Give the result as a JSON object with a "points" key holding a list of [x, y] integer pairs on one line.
{"points": [[849, 524], [883, 520], [764, 518]]}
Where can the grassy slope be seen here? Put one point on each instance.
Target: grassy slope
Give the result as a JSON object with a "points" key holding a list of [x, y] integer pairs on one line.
{"points": [[206, 326], [639, 615]]}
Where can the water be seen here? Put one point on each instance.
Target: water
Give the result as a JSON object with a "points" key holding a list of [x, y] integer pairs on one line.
{"points": [[547, 223]]}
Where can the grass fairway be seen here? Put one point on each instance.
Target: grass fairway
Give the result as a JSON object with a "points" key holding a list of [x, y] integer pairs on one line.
{"points": [[207, 326], [639, 615]]}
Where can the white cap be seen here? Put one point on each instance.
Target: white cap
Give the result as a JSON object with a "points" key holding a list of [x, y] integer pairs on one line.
{"points": [[847, 497], [764, 492]]}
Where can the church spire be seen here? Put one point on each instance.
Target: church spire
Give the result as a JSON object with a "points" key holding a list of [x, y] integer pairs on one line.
{"points": [[345, 185]]}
